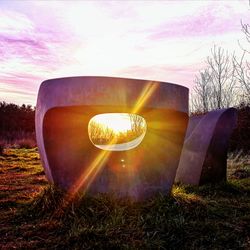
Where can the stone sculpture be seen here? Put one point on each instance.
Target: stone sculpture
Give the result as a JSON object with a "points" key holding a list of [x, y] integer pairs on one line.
{"points": [[204, 154], [64, 108]]}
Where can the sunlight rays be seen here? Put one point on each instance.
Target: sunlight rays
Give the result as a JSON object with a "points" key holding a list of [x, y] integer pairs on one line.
{"points": [[147, 92], [88, 176]]}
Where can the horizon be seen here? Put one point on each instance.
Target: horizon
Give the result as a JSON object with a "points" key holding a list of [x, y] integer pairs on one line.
{"points": [[163, 41]]}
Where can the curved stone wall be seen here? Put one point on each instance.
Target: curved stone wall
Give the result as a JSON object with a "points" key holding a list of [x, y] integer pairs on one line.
{"points": [[64, 108]]}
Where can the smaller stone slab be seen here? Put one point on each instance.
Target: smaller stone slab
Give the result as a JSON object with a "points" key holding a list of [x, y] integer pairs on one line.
{"points": [[204, 154]]}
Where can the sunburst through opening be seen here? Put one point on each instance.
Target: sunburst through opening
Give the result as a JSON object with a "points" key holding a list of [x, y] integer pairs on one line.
{"points": [[117, 131]]}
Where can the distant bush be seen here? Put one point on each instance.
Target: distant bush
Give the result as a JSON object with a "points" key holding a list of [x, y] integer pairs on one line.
{"points": [[25, 143], [16, 119], [240, 139], [2, 146], [17, 124]]}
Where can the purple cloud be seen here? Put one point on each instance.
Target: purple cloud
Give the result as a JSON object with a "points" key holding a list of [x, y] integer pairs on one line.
{"points": [[177, 74], [28, 54], [209, 21], [40, 40]]}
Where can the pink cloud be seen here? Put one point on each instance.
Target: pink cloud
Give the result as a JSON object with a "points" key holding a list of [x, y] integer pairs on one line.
{"points": [[183, 75], [19, 78], [40, 40], [17, 96], [22, 47], [210, 20], [17, 91], [17, 87], [40, 52], [43, 46], [28, 53], [22, 86]]}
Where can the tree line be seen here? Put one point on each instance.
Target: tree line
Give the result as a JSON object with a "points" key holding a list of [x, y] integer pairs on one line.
{"points": [[16, 121], [223, 83], [225, 80]]}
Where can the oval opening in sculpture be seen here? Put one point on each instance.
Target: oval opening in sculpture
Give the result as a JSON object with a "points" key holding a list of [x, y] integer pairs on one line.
{"points": [[117, 131]]}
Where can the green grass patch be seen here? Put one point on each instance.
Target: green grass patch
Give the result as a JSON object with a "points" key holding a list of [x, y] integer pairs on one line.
{"points": [[40, 216]]}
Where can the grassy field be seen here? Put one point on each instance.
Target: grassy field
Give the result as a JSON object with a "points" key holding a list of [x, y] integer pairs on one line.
{"points": [[207, 217]]}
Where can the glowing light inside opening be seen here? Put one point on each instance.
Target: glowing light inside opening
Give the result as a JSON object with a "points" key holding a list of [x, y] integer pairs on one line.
{"points": [[117, 131]]}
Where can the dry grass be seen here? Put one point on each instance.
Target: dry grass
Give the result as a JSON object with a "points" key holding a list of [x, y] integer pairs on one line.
{"points": [[18, 140], [238, 165], [207, 217]]}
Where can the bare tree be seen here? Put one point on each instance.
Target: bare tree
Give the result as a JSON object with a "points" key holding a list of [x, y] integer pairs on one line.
{"points": [[94, 130], [137, 124], [100, 134], [202, 91], [222, 78], [242, 74], [246, 30], [215, 87], [242, 66]]}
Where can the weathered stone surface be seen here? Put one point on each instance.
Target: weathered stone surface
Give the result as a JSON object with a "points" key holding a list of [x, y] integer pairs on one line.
{"points": [[64, 108], [204, 154]]}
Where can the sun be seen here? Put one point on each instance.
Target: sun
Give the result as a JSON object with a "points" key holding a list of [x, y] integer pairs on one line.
{"points": [[116, 131], [118, 122]]}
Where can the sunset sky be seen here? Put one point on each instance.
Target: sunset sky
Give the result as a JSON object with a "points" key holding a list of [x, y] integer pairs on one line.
{"points": [[165, 40]]}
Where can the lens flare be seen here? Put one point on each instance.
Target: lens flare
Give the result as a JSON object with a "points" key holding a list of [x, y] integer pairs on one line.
{"points": [[88, 176]]}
